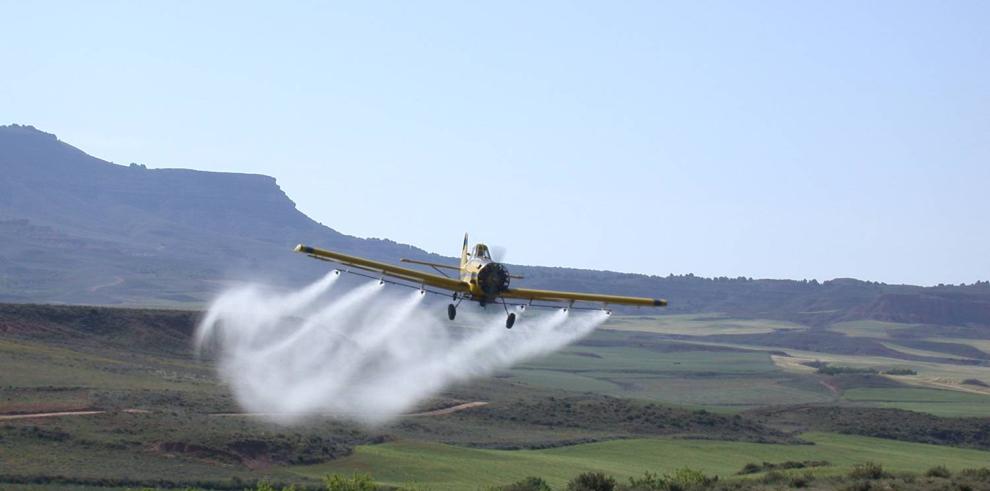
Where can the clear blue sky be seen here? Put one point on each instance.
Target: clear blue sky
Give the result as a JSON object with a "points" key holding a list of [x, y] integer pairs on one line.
{"points": [[766, 139]]}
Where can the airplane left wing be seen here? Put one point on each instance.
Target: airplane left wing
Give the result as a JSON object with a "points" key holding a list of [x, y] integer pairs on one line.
{"points": [[555, 296], [386, 269]]}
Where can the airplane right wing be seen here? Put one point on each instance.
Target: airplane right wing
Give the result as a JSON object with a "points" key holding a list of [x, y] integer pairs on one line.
{"points": [[556, 296]]}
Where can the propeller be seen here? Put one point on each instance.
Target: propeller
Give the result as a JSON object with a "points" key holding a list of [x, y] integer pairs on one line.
{"points": [[498, 253], [498, 256]]}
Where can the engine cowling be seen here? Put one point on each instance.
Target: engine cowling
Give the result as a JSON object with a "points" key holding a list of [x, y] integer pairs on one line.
{"points": [[493, 279]]}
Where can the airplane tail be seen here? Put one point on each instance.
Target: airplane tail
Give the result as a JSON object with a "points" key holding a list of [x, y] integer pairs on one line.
{"points": [[464, 252]]}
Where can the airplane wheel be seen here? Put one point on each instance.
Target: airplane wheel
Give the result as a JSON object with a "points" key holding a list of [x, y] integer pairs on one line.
{"points": [[451, 311], [510, 320]]}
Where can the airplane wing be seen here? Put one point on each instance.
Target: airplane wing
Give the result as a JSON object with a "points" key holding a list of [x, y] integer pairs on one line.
{"points": [[386, 269], [555, 296]]}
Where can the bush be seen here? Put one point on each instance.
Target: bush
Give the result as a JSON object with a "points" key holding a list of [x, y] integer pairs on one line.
{"points": [[868, 470], [357, 482], [685, 478], [680, 480], [841, 370], [859, 486], [592, 481], [774, 477], [938, 471], [752, 468], [801, 481], [649, 482], [900, 371], [981, 474], [267, 486], [528, 484]]}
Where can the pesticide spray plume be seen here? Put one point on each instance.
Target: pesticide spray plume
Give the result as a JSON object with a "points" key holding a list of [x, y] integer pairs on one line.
{"points": [[366, 355]]}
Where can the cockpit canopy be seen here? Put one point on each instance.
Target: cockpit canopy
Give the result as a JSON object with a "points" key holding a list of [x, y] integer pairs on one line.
{"points": [[481, 252]]}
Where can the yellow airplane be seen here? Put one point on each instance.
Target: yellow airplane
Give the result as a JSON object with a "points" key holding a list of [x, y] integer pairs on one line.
{"points": [[480, 279]]}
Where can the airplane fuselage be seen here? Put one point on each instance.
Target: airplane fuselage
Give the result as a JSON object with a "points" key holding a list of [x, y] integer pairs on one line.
{"points": [[486, 278]]}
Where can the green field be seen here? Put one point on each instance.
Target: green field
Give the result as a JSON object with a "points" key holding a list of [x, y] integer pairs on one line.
{"points": [[868, 328], [634, 389], [697, 325], [937, 402], [441, 467], [980, 344], [680, 373]]}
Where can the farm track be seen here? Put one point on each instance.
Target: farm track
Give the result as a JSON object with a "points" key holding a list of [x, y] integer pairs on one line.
{"points": [[434, 412], [61, 414]]}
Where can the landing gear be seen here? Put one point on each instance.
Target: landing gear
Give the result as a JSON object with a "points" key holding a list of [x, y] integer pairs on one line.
{"points": [[510, 318], [451, 311]]}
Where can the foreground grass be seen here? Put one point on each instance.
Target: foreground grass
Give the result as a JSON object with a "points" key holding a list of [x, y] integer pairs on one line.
{"points": [[444, 467]]}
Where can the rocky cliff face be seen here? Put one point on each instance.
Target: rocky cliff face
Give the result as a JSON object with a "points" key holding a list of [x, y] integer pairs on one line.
{"points": [[78, 229]]}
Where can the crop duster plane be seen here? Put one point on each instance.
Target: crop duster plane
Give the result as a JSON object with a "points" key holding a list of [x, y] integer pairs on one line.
{"points": [[479, 279]]}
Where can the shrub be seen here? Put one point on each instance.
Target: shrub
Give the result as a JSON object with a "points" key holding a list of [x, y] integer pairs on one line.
{"points": [[267, 486], [868, 470], [592, 481], [752, 468], [900, 371], [357, 482], [685, 478], [938, 471], [801, 481], [649, 482], [981, 474], [859, 486], [528, 484], [774, 477], [680, 480], [840, 370]]}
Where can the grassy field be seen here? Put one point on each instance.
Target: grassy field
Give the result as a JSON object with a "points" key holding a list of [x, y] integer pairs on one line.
{"points": [[442, 467], [620, 364], [938, 375], [113, 361], [920, 352], [937, 402], [868, 328], [698, 325], [980, 344]]}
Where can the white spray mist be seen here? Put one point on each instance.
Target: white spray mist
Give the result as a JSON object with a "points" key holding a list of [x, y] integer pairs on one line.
{"points": [[365, 355]]}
